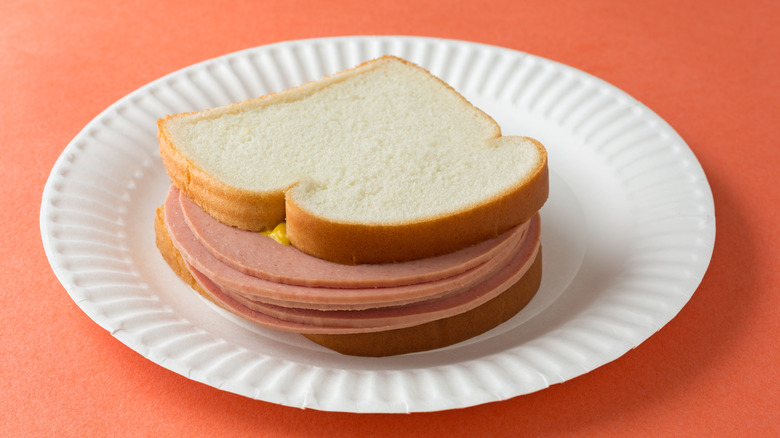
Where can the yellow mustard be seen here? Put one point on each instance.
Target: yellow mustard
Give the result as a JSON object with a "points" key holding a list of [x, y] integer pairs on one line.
{"points": [[279, 234]]}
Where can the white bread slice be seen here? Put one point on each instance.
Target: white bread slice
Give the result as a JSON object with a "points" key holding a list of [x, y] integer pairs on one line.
{"points": [[380, 163]]}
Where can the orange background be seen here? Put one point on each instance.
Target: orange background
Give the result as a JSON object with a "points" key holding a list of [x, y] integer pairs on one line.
{"points": [[709, 68]]}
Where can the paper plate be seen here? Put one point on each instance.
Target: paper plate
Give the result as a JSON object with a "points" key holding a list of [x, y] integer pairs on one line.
{"points": [[628, 233]]}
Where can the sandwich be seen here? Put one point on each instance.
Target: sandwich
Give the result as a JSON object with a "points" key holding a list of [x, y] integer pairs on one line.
{"points": [[374, 211]]}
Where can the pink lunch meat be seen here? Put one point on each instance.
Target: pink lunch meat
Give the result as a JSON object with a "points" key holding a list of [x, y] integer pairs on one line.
{"points": [[384, 318], [446, 297], [257, 255], [283, 294]]}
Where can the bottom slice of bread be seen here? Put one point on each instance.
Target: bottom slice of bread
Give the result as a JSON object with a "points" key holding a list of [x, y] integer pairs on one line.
{"points": [[423, 337]]}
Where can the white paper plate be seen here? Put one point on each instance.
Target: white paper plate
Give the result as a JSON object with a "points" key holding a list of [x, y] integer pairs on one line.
{"points": [[628, 233]]}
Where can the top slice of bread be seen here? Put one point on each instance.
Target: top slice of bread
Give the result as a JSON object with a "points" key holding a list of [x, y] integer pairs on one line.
{"points": [[380, 163]]}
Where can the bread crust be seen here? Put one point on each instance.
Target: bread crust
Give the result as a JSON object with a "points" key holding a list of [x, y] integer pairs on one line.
{"points": [[428, 336]]}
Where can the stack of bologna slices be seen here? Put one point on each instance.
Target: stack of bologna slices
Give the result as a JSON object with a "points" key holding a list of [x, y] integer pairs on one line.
{"points": [[412, 223]]}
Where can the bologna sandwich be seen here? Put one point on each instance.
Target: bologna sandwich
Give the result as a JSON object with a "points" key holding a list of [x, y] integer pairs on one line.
{"points": [[374, 211]]}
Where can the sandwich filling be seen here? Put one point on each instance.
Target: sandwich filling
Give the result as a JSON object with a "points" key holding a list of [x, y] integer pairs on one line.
{"points": [[281, 287]]}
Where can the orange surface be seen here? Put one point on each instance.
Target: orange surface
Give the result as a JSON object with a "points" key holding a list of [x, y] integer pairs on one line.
{"points": [[710, 68]]}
